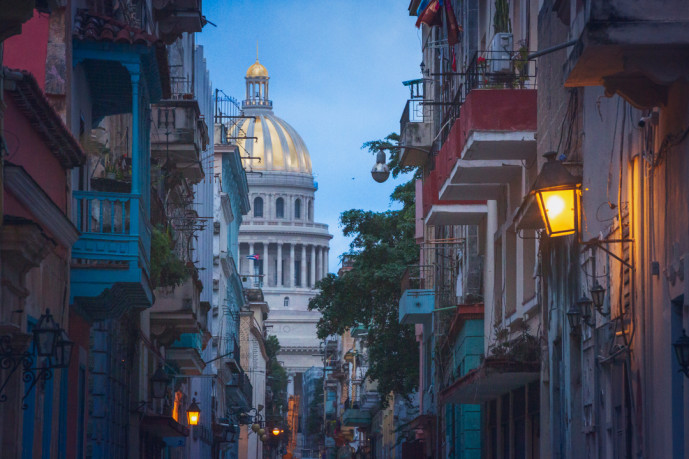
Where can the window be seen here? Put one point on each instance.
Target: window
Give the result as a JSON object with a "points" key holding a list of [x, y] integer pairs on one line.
{"points": [[258, 207], [297, 273], [280, 208], [310, 211], [286, 302], [297, 208]]}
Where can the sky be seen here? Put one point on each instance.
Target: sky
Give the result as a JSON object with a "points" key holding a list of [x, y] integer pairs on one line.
{"points": [[336, 70]]}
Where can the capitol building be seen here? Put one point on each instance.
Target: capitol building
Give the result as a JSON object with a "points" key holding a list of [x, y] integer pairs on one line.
{"points": [[281, 246]]}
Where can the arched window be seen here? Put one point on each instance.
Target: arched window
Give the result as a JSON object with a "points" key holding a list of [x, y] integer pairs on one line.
{"points": [[297, 208], [258, 207], [286, 302], [280, 208]]}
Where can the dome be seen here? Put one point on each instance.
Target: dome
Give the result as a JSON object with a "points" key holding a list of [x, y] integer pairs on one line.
{"points": [[279, 147], [256, 70]]}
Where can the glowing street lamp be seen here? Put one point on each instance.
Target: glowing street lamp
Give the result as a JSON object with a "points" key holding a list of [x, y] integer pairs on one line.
{"points": [[276, 431], [193, 413], [556, 192]]}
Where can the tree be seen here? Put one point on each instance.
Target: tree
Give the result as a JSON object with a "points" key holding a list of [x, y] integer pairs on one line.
{"points": [[369, 294], [277, 378]]}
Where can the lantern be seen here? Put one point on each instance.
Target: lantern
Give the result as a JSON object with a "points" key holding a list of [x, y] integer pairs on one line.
{"points": [[598, 298], [276, 431], [584, 305], [255, 427], [45, 335], [682, 353], [264, 437], [556, 192], [193, 413], [63, 351], [159, 383], [574, 317], [261, 431]]}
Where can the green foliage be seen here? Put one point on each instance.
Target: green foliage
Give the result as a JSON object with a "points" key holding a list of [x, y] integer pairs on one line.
{"points": [[501, 17], [384, 246], [167, 270], [277, 377]]}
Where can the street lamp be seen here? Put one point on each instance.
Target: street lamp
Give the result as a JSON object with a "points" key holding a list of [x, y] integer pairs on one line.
{"points": [[598, 297], [380, 171], [193, 413], [46, 333], [574, 318], [276, 431], [159, 383], [63, 350], [584, 305], [556, 192], [682, 352]]}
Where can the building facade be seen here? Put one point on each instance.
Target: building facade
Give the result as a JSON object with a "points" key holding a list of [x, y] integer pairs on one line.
{"points": [[536, 343]]}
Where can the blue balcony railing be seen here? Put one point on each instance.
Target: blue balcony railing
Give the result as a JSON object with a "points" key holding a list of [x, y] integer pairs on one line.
{"points": [[113, 250]]}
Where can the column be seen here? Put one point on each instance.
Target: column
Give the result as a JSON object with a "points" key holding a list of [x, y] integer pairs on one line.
{"points": [[325, 259], [319, 264], [313, 266], [290, 279], [303, 266], [265, 264], [251, 263], [279, 284]]}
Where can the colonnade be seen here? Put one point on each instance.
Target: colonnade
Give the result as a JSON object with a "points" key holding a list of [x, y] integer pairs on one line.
{"points": [[277, 275]]}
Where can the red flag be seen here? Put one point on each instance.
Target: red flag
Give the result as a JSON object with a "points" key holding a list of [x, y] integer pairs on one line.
{"points": [[453, 28], [454, 58], [430, 15]]}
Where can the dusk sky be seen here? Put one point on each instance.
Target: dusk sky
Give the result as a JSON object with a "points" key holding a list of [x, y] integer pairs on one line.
{"points": [[336, 70]]}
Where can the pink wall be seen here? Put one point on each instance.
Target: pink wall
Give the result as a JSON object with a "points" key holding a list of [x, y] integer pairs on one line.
{"points": [[28, 150], [29, 50]]}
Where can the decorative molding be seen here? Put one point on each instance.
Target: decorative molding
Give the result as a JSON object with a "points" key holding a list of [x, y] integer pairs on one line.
{"points": [[47, 213]]}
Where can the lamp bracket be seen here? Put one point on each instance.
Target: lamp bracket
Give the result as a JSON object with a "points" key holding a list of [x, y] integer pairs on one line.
{"points": [[11, 360], [599, 244]]}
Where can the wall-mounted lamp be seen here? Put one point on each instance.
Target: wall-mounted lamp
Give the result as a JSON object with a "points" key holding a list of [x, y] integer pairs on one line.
{"points": [[598, 298], [682, 353], [574, 318], [556, 192], [159, 383], [193, 413]]}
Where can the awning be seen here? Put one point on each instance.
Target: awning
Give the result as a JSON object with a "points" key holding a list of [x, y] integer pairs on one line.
{"points": [[492, 379], [163, 426]]}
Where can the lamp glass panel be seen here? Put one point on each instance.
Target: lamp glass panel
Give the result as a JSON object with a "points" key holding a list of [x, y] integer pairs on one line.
{"points": [[193, 417], [558, 209], [682, 351]]}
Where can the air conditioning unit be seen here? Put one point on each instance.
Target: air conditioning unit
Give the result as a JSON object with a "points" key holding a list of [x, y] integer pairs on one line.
{"points": [[501, 53]]}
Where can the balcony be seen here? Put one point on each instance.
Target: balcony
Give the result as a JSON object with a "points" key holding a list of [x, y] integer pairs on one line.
{"points": [[355, 417], [632, 48], [438, 211], [488, 144], [179, 133], [185, 354], [415, 131], [110, 264], [416, 306], [239, 391], [177, 16], [177, 310]]}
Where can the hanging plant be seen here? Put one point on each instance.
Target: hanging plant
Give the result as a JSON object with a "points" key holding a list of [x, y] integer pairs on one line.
{"points": [[167, 270]]}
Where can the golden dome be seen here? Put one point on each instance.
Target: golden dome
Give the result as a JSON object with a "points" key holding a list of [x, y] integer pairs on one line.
{"points": [[278, 146], [256, 70]]}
